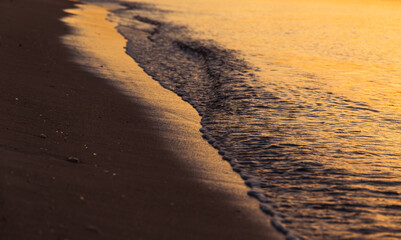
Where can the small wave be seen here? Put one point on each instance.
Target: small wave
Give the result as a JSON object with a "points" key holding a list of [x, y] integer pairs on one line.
{"points": [[291, 152]]}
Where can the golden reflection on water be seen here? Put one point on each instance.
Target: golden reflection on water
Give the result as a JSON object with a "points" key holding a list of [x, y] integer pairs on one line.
{"points": [[340, 58], [353, 46], [307, 48]]}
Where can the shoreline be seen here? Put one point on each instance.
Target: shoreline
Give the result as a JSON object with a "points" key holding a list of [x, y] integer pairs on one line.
{"points": [[128, 183]]}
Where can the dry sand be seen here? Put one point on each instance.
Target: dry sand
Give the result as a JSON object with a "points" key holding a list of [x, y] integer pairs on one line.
{"points": [[128, 182]]}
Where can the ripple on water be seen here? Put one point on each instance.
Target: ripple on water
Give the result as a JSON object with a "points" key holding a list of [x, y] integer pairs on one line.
{"points": [[320, 163]]}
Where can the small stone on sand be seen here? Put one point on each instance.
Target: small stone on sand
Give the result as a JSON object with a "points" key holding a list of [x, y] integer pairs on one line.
{"points": [[93, 229], [73, 160]]}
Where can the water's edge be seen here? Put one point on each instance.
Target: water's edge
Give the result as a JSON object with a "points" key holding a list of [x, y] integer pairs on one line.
{"points": [[306, 150], [205, 51], [145, 92]]}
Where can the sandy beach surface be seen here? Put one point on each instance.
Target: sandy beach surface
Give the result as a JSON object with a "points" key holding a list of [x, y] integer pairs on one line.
{"points": [[80, 160]]}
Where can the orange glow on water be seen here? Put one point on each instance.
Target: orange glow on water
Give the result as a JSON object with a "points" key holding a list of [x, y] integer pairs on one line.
{"points": [[354, 45], [336, 67], [337, 63]]}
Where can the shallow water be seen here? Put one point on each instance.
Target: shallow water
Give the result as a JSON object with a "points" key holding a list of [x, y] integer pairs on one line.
{"points": [[302, 97]]}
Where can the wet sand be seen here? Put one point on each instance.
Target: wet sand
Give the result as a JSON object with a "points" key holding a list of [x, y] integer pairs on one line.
{"points": [[79, 160]]}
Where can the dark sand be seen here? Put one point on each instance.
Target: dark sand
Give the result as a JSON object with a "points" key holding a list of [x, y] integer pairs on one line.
{"points": [[128, 185]]}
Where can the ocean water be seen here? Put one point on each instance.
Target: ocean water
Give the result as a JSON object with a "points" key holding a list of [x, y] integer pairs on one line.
{"points": [[302, 97]]}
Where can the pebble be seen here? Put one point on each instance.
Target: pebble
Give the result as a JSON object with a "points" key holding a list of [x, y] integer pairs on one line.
{"points": [[42, 135], [93, 229], [73, 160]]}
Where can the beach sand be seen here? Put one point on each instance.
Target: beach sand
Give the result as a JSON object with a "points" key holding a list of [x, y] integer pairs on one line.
{"points": [[80, 160]]}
